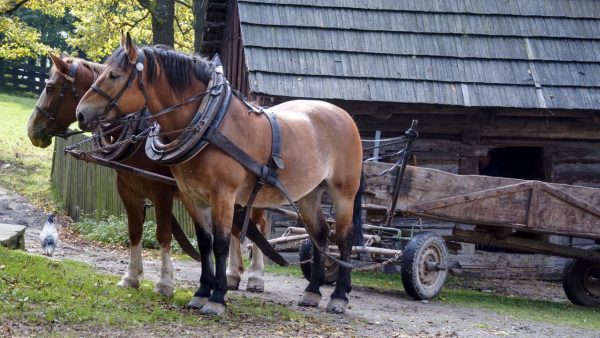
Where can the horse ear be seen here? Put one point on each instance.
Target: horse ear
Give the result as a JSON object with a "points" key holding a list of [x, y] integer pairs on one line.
{"points": [[131, 49], [62, 66], [123, 40]]}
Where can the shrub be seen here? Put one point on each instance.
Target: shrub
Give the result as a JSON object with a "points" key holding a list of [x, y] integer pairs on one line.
{"points": [[112, 229]]}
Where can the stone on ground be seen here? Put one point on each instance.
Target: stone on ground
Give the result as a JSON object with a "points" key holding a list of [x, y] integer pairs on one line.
{"points": [[12, 236]]}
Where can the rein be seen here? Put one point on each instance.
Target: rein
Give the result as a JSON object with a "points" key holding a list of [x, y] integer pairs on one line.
{"points": [[60, 130]]}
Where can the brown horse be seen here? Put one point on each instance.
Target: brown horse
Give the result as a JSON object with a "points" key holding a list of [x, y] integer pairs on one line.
{"points": [[69, 79], [320, 148]]}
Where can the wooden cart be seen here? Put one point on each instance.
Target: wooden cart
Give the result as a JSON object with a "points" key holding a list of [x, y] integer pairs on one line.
{"points": [[499, 207]]}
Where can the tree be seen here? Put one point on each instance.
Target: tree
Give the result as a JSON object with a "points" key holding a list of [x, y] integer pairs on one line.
{"points": [[163, 18], [17, 38], [199, 9]]}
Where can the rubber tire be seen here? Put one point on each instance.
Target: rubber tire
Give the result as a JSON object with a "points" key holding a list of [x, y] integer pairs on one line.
{"points": [[572, 281], [410, 265], [305, 253]]}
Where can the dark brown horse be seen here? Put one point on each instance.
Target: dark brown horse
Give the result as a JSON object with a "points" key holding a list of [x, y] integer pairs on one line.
{"points": [[69, 79], [320, 148]]}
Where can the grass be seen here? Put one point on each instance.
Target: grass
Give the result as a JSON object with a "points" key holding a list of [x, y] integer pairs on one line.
{"points": [[41, 291], [517, 307], [23, 167]]}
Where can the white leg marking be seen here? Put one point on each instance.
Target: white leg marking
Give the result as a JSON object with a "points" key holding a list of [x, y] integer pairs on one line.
{"points": [[234, 264], [165, 285], [135, 268], [256, 281]]}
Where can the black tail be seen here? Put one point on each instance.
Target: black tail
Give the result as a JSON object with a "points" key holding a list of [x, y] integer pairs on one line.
{"points": [[357, 213]]}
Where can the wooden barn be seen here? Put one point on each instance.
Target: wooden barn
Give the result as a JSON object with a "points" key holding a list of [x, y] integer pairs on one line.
{"points": [[505, 88]]}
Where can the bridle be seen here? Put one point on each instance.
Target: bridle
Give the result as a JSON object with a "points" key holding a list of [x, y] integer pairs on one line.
{"points": [[113, 102], [58, 129]]}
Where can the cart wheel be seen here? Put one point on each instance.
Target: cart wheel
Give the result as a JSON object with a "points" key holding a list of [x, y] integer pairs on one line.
{"points": [[423, 266], [306, 253], [581, 281]]}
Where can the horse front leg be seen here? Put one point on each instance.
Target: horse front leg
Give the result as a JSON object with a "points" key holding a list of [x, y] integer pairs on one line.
{"points": [[256, 282], [207, 275], [134, 206], [222, 218], [163, 209], [235, 264]]}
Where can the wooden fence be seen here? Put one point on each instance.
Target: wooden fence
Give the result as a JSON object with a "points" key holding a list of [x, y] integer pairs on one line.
{"points": [[22, 77], [86, 188]]}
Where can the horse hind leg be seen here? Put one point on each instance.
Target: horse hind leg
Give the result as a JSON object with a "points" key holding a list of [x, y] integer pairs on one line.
{"points": [[312, 214], [344, 234], [134, 206], [164, 218]]}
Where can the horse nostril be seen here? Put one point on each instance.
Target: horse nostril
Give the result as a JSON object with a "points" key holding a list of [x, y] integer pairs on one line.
{"points": [[80, 118]]}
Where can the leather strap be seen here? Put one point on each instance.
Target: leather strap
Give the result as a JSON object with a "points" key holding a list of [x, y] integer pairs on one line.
{"points": [[275, 162]]}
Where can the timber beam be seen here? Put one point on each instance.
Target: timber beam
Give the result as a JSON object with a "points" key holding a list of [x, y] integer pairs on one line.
{"points": [[523, 244]]}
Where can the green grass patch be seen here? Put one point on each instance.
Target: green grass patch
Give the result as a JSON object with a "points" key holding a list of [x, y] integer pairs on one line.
{"points": [[39, 291], [23, 167], [518, 307]]}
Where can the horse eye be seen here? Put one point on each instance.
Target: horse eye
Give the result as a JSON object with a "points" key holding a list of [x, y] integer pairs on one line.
{"points": [[49, 88], [113, 75]]}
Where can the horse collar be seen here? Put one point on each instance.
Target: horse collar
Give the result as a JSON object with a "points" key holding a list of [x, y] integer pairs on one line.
{"points": [[192, 140]]}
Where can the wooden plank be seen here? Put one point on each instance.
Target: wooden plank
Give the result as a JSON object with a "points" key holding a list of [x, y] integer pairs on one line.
{"points": [[523, 244]]}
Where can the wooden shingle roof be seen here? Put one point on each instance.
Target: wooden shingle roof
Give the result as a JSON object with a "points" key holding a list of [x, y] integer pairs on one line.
{"points": [[481, 53]]}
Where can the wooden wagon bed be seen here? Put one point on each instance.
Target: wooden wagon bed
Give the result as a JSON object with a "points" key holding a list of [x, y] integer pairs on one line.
{"points": [[531, 206]]}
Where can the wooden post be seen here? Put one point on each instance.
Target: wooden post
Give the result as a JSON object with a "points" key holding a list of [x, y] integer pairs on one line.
{"points": [[376, 145]]}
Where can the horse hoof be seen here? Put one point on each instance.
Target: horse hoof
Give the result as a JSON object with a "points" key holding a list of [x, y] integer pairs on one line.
{"points": [[310, 299], [197, 302], [129, 282], [213, 309], [164, 289], [337, 306], [255, 285], [233, 283]]}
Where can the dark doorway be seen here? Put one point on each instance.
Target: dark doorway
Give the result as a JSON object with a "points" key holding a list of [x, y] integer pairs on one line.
{"points": [[525, 163]]}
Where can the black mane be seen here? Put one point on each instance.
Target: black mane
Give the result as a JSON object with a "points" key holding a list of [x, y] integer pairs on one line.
{"points": [[178, 67]]}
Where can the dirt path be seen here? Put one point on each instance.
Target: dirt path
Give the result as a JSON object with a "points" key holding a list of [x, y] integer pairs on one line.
{"points": [[377, 314]]}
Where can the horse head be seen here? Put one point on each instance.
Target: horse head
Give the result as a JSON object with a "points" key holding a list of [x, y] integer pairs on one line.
{"points": [[116, 92], [54, 111]]}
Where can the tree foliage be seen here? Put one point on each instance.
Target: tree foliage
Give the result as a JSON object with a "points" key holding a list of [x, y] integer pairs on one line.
{"points": [[17, 37], [93, 27]]}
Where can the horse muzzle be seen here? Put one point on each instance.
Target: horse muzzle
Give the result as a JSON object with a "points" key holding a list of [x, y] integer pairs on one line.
{"points": [[86, 121]]}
